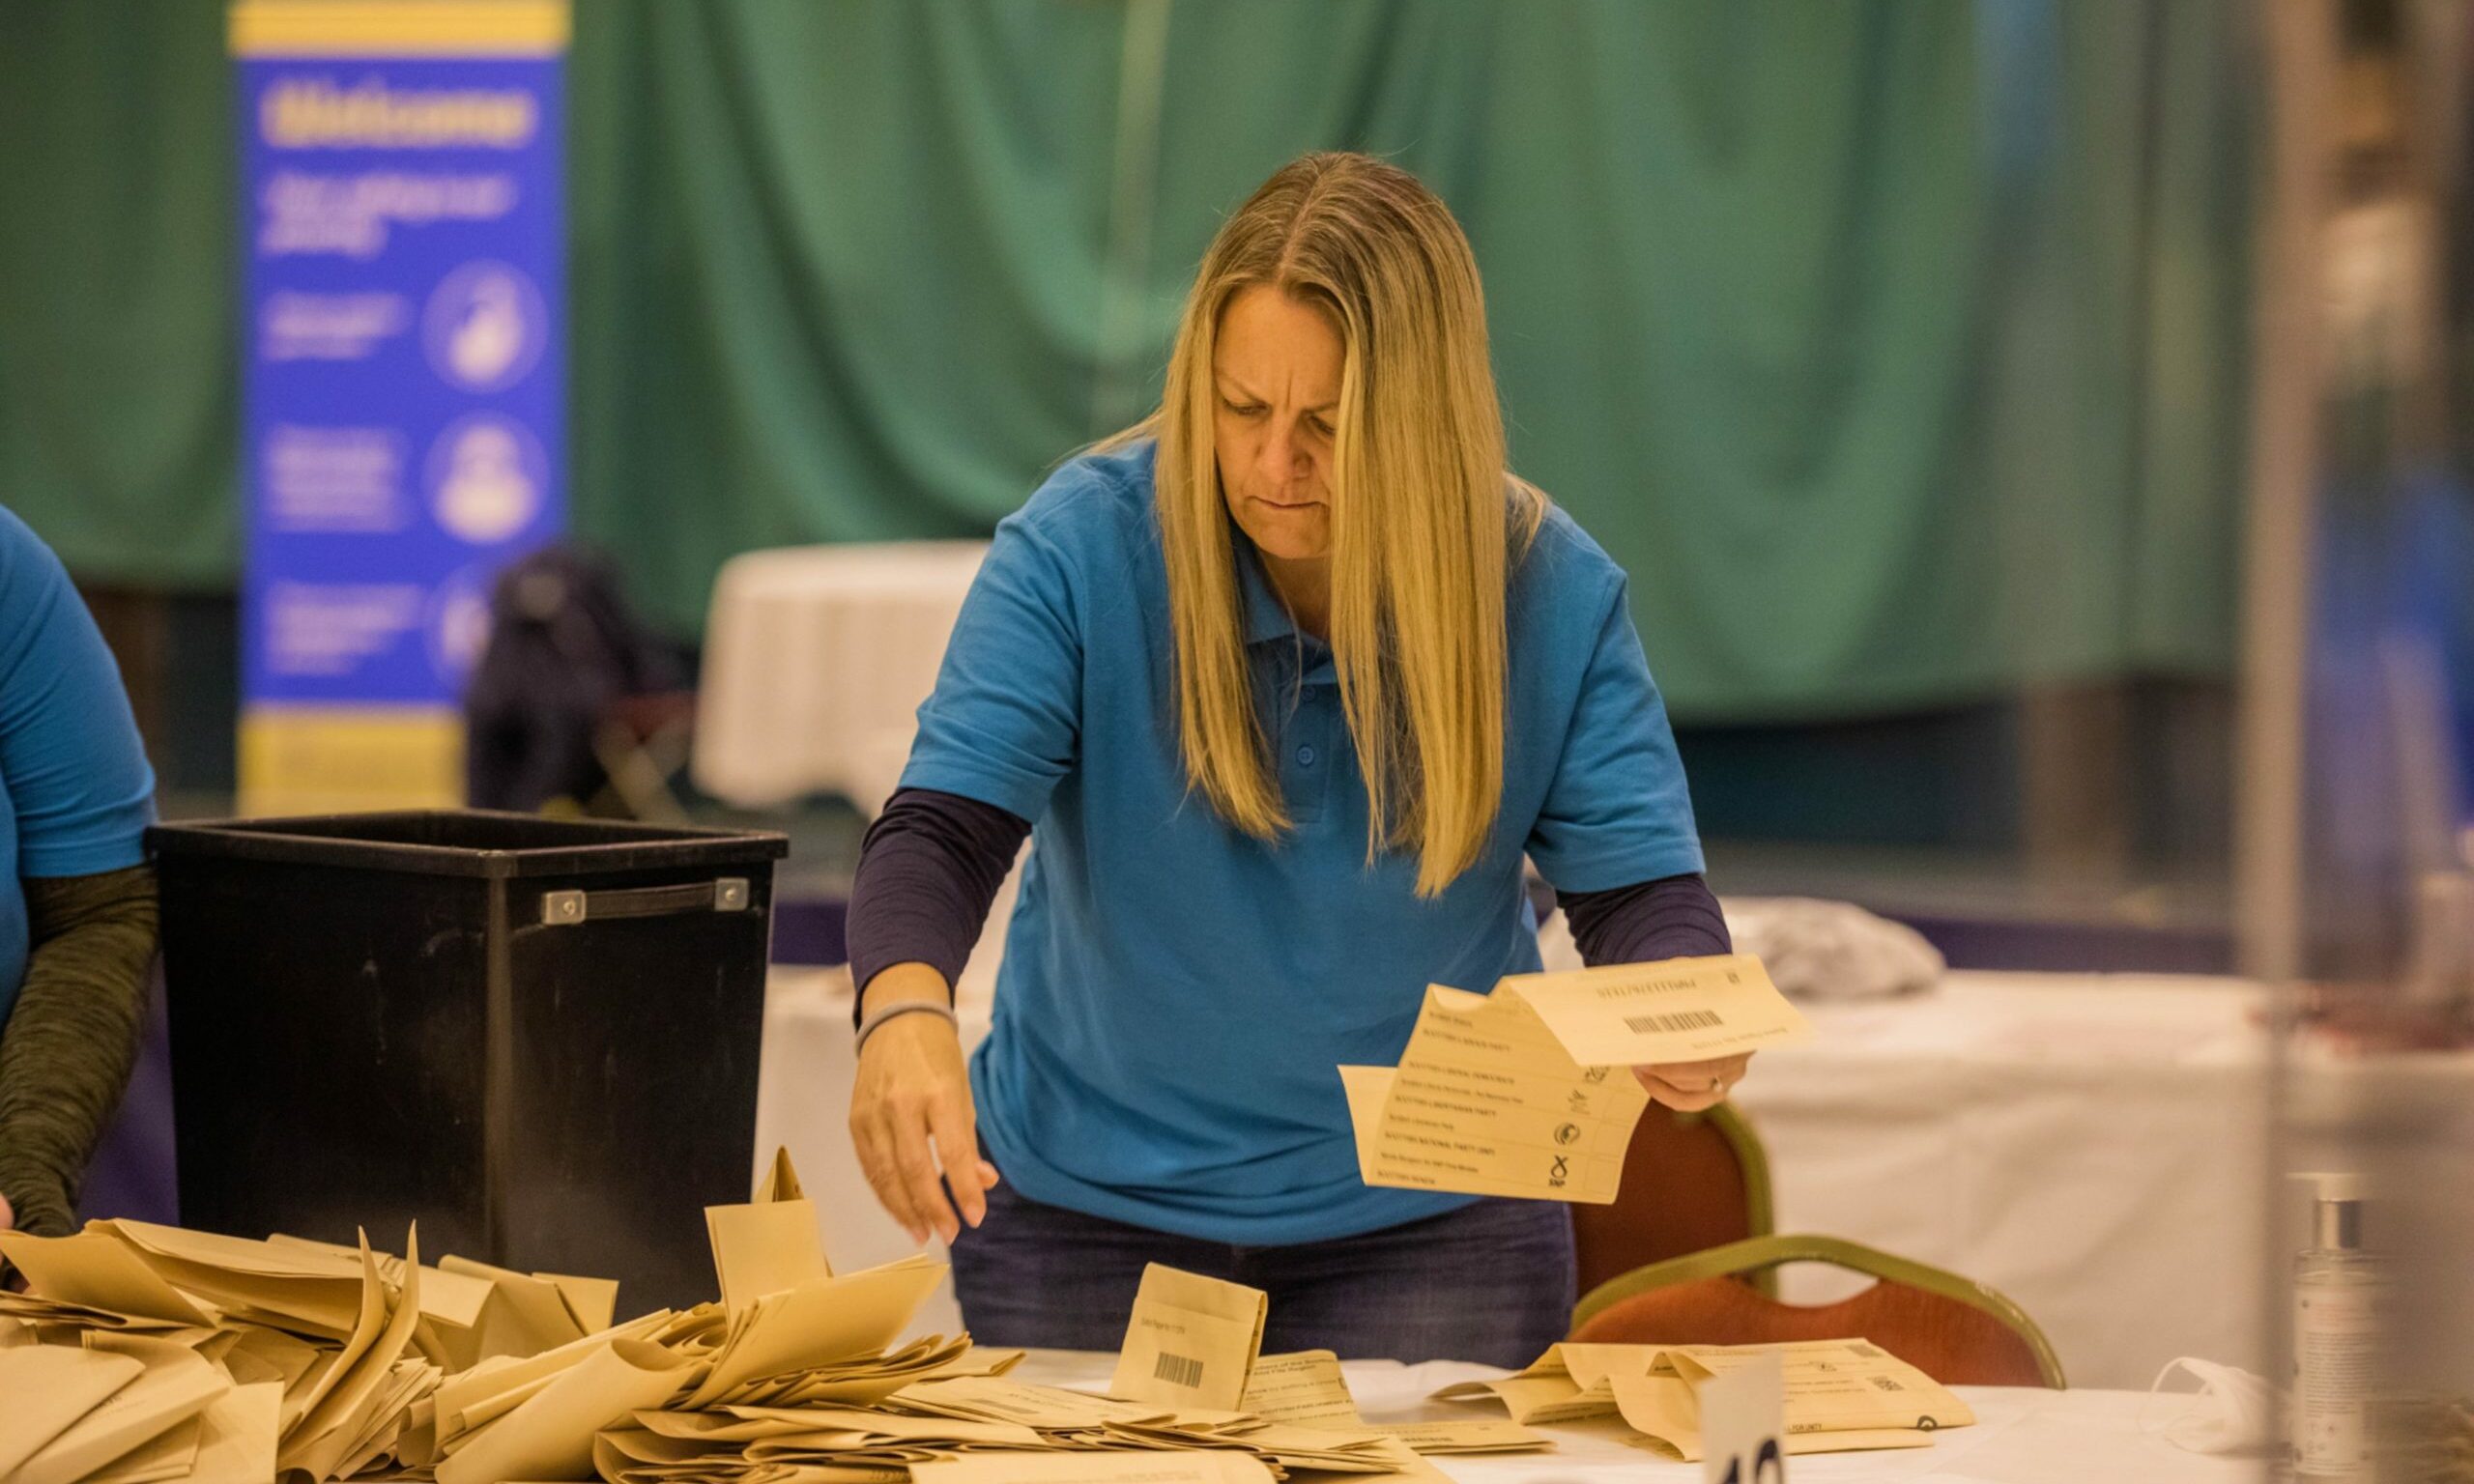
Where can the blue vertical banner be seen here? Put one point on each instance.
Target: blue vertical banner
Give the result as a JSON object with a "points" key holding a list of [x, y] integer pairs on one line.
{"points": [[405, 375]]}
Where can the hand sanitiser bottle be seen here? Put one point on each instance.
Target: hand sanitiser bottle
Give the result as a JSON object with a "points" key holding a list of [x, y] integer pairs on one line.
{"points": [[2339, 1289]]}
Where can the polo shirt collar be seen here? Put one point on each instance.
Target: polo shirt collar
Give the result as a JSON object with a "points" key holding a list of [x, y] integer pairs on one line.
{"points": [[1266, 618]]}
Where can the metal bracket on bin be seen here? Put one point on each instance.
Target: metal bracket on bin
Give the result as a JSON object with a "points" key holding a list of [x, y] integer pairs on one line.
{"points": [[568, 908]]}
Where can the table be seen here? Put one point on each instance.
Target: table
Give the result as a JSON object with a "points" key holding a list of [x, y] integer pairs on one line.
{"points": [[1953, 1128], [816, 658], [2021, 1437]]}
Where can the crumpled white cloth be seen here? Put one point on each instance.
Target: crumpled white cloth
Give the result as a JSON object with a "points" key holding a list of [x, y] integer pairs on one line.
{"points": [[1820, 949], [1814, 950]]}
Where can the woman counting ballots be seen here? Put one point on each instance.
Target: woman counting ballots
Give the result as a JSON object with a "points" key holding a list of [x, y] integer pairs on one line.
{"points": [[1283, 683]]}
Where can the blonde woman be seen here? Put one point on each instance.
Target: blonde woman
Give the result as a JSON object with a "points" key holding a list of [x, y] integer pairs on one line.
{"points": [[1285, 683]]}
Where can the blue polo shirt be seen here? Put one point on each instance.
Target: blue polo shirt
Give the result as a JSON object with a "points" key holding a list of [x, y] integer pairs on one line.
{"points": [[76, 792], [1175, 995]]}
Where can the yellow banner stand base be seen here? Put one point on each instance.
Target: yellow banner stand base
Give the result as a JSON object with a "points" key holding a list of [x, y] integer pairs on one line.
{"points": [[347, 760]]}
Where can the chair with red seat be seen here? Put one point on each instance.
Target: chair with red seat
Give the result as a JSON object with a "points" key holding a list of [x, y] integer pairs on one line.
{"points": [[1957, 1332], [1691, 1181]]}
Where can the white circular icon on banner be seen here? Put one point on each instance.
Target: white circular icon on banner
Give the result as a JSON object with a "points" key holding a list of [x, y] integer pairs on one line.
{"points": [[487, 478], [485, 327]]}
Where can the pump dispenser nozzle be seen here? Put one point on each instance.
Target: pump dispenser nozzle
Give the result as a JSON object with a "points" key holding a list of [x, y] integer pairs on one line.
{"points": [[2337, 1226]]}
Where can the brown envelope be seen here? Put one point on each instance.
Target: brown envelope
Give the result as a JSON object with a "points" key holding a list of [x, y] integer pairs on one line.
{"points": [[1143, 1468], [1305, 1387], [765, 1249], [238, 1441], [49, 1387], [819, 1323], [781, 1182], [99, 1270], [335, 1420], [173, 1387], [1681, 1009], [550, 1436], [1190, 1341], [524, 1316], [173, 1455]]}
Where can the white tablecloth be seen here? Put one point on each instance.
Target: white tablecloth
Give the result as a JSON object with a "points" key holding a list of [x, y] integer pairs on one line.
{"points": [[816, 658], [2021, 1437], [2096, 1147]]}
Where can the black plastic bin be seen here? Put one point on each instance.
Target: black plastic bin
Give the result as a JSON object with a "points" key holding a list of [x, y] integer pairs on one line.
{"points": [[536, 1037]]}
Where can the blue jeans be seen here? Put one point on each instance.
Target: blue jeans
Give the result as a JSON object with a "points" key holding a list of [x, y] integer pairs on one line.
{"points": [[1491, 1281]]}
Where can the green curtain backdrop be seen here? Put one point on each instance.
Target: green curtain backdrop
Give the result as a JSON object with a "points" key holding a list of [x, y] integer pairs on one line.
{"points": [[1894, 346]]}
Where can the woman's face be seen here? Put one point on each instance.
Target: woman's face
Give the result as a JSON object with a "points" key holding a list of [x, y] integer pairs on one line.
{"points": [[1276, 373]]}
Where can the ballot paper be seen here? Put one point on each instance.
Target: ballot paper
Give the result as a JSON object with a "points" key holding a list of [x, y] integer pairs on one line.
{"points": [[1046, 1408], [173, 1386], [473, 1399], [1476, 1435], [770, 1244], [1488, 1101], [1841, 1395], [96, 1270], [868, 1380], [1190, 1340], [305, 1290], [50, 1388], [1094, 1469], [169, 1455], [236, 1436], [550, 1436], [1678, 1010], [358, 1385], [1305, 1386], [523, 1314], [817, 1323]]}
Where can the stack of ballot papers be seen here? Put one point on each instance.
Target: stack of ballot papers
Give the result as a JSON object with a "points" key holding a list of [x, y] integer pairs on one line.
{"points": [[1841, 1395], [1192, 1398], [251, 1356], [1526, 1092], [142, 1353]]}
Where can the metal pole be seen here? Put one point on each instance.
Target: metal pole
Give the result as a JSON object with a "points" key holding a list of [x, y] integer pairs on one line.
{"points": [[2300, 39]]}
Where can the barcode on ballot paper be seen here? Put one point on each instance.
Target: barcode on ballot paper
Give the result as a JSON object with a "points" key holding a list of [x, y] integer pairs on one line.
{"points": [[1678, 1020], [1178, 1371]]}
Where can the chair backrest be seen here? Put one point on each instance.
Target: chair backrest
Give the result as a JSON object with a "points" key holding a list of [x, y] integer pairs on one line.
{"points": [[1957, 1332], [1691, 1181]]}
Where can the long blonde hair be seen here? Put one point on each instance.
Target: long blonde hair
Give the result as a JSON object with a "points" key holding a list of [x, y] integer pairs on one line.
{"points": [[1424, 515]]}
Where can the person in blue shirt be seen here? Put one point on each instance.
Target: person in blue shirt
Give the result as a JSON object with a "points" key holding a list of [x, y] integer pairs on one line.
{"points": [[78, 913], [1285, 684]]}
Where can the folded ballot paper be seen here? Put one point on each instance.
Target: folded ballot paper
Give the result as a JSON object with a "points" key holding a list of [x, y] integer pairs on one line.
{"points": [[249, 1357], [1841, 1395], [144, 1354], [1525, 1092]]}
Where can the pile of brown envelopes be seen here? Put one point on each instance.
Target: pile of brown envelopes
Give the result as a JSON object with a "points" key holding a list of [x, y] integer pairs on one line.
{"points": [[144, 1354], [160, 1354], [1840, 1395]]}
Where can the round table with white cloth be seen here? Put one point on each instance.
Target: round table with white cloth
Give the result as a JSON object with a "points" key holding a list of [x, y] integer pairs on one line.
{"points": [[816, 658]]}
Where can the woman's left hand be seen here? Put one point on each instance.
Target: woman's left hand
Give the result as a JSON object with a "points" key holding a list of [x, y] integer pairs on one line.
{"points": [[1691, 1087]]}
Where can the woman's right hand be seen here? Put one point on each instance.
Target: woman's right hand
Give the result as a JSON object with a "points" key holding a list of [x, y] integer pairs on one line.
{"points": [[912, 1113]]}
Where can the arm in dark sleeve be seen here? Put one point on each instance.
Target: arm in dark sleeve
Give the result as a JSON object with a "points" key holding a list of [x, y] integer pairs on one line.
{"points": [[66, 1052], [1673, 917], [928, 870]]}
